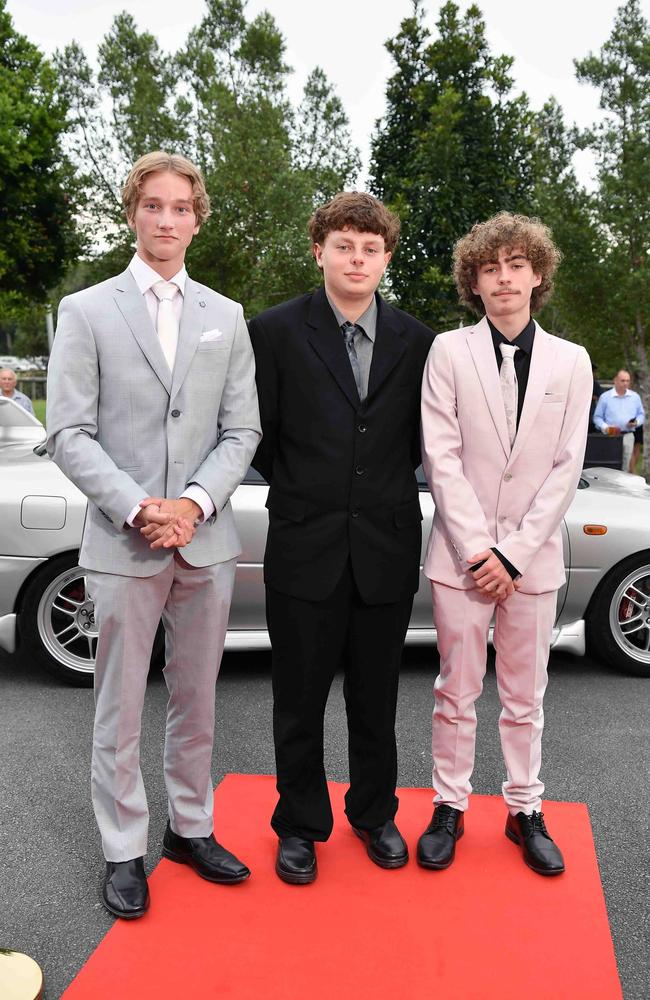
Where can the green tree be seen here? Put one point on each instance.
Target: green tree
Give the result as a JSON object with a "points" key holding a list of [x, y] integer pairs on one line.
{"points": [[321, 140], [569, 209], [221, 100], [621, 143], [454, 147], [38, 236]]}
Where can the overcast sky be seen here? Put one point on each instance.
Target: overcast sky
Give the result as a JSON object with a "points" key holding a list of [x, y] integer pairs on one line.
{"points": [[347, 40]]}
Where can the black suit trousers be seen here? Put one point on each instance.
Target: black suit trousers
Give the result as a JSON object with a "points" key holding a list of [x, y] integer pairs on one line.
{"points": [[310, 641]]}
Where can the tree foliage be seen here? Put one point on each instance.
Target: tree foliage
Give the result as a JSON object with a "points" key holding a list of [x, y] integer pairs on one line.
{"points": [[454, 147], [221, 100], [37, 191], [621, 143]]}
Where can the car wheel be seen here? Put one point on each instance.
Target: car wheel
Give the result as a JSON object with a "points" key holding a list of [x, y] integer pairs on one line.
{"points": [[618, 622], [57, 622]]}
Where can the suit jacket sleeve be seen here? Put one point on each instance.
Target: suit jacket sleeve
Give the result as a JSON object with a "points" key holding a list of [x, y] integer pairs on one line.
{"points": [[72, 409], [456, 502], [268, 393], [238, 424], [554, 496]]}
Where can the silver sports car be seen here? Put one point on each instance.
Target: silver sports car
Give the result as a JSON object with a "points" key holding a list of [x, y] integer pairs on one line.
{"points": [[45, 611]]}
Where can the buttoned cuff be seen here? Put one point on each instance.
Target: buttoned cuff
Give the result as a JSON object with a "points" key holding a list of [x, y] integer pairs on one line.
{"points": [[134, 513], [199, 496]]}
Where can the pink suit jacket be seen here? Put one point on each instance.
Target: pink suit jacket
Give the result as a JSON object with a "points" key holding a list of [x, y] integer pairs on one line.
{"points": [[487, 494]]}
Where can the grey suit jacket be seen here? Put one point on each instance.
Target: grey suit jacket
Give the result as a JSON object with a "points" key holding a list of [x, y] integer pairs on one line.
{"points": [[121, 426]]}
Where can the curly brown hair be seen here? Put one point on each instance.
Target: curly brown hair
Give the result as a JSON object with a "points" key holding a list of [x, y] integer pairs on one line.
{"points": [[482, 244], [356, 210], [157, 161]]}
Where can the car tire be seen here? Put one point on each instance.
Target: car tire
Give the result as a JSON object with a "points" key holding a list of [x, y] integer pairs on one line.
{"points": [[57, 624], [618, 620]]}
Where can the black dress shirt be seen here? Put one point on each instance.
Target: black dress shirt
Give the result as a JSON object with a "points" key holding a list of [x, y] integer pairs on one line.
{"points": [[524, 341]]}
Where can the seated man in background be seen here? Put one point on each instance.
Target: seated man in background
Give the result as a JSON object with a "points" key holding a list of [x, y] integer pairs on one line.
{"points": [[620, 411], [8, 389]]}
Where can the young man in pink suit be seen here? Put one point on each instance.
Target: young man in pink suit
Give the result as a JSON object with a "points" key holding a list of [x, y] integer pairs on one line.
{"points": [[504, 420]]}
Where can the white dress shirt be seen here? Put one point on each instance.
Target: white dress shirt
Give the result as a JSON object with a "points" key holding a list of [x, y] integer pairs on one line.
{"points": [[144, 277]]}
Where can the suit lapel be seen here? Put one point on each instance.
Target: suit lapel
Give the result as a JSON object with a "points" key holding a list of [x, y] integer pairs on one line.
{"points": [[541, 363], [388, 348], [189, 334], [481, 346], [327, 340], [130, 302]]}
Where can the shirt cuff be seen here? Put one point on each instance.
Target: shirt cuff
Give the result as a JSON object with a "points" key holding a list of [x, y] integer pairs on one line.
{"points": [[199, 496], [514, 572], [134, 513]]}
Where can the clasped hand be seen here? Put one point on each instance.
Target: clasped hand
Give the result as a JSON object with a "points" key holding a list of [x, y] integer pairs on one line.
{"points": [[492, 577], [167, 523]]}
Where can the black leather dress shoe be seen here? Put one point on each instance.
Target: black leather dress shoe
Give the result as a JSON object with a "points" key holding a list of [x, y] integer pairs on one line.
{"points": [[295, 861], [437, 845], [385, 845], [208, 858], [540, 853], [125, 892]]}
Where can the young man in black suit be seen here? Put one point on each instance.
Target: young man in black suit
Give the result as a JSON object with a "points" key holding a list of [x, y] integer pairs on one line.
{"points": [[338, 376]]}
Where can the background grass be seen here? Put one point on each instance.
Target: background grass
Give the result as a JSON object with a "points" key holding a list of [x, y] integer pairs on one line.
{"points": [[39, 410]]}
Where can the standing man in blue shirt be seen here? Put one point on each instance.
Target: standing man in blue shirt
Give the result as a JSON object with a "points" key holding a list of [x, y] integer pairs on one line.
{"points": [[8, 389], [620, 411]]}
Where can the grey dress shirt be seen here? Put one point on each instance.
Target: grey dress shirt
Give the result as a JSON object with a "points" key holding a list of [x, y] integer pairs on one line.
{"points": [[364, 337]]}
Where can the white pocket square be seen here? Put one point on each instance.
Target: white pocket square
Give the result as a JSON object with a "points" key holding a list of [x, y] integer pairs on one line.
{"points": [[210, 335]]}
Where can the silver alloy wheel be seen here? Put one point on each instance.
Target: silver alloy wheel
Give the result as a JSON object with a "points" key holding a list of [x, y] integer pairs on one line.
{"points": [[66, 622], [629, 615]]}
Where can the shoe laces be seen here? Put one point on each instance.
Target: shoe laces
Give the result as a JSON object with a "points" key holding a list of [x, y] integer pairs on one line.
{"points": [[444, 818], [537, 824]]}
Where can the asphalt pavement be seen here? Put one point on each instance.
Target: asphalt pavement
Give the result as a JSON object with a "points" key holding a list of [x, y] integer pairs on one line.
{"points": [[596, 750]]}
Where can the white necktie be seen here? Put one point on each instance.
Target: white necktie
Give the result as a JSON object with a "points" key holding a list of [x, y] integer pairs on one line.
{"points": [[166, 325], [509, 388]]}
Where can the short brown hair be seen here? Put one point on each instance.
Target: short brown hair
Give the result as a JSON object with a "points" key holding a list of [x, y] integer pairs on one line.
{"points": [[355, 210], [151, 163], [482, 244]]}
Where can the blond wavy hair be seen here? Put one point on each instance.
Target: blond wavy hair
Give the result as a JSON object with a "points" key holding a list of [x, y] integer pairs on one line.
{"points": [[158, 161], [482, 244]]}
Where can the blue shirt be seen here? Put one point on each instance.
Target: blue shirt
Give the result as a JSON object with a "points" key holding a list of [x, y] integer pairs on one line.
{"points": [[613, 410], [23, 400]]}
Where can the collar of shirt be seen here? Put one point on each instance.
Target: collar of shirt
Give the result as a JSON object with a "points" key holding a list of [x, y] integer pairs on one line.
{"points": [[524, 340], [366, 322], [145, 276]]}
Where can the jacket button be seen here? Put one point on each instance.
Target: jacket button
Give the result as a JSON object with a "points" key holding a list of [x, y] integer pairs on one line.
{"points": [[176, 413], [354, 513], [507, 477], [361, 428], [359, 471], [501, 518]]}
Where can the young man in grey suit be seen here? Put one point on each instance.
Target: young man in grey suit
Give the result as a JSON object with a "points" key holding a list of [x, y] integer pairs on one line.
{"points": [[152, 412]]}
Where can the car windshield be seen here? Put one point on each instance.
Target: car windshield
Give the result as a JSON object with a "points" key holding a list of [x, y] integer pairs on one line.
{"points": [[17, 425]]}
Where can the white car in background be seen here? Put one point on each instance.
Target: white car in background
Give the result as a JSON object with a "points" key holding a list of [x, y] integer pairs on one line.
{"points": [[44, 611]]}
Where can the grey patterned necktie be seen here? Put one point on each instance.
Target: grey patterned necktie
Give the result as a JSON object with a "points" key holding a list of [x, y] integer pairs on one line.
{"points": [[348, 330], [509, 387]]}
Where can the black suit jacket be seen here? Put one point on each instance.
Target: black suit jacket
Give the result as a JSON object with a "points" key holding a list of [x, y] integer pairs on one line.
{"points": [[341, 471]]}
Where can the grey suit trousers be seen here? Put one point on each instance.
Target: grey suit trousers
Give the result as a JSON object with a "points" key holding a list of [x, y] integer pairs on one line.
{"points": [[194, 604]]}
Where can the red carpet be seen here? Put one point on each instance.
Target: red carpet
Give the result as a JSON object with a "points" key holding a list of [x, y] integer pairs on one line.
{"points": [[486, 928]]}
